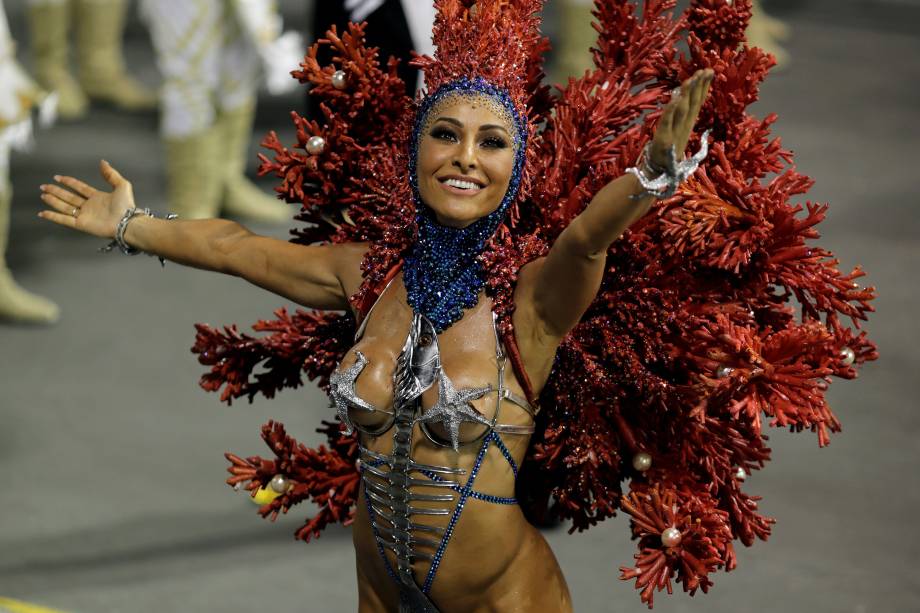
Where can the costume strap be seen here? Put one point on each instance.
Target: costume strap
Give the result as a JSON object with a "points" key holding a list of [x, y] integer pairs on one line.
{"points": [[368, 300], [514, 354]]}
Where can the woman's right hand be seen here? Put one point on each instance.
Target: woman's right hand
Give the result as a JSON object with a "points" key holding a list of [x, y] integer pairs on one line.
{"points": [[86, 208]]}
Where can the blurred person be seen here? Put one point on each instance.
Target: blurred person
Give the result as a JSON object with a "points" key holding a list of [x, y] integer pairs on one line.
{"points": [[19, 95], [212, 55], [102, 76]]}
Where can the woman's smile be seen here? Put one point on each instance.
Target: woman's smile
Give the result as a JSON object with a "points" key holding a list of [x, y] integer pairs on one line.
{"points": [[461, 185]]}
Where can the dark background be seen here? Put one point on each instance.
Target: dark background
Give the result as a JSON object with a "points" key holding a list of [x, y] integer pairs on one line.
{"points": [[112, 496]]}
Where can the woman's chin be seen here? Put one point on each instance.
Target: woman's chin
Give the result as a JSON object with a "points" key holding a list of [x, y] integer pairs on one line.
{"points": [[453, 221]]}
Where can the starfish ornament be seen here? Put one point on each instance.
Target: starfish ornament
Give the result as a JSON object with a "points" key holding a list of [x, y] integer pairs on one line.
{"points": [[453, 408], [342, 391]]}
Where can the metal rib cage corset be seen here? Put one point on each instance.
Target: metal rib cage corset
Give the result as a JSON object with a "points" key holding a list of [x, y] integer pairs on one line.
{"points": [[395, 484]]}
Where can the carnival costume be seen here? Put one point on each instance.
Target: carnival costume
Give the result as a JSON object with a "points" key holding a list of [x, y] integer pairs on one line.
{"points": [[688, 343]]}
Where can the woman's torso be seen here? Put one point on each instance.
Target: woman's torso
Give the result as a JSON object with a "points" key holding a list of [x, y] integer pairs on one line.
{"points": [[494, 559]]}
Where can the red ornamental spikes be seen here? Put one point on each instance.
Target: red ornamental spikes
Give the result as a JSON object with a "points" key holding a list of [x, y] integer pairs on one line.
{"points": [[693, 337]]}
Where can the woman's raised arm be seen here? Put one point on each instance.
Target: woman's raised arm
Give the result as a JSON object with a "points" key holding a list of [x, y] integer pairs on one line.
{"points": [[314, 276], [560, 287]]}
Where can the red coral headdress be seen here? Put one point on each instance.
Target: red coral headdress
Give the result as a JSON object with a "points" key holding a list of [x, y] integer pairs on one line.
{"points": [[692, 338]]}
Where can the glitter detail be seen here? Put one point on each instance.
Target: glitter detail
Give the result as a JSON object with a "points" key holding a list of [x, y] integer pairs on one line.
{"points": [[453, 408], [442, 273], [342, 391]]}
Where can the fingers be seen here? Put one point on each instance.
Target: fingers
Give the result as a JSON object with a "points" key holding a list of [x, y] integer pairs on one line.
{"points": [[700, 92], [693, 94], [59, 218], [76, 185], [682, 107], [59, 203], [112, 176], [63, 195]]}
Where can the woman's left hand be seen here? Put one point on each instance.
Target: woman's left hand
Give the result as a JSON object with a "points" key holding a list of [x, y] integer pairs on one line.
{"points": [[679, 117]]}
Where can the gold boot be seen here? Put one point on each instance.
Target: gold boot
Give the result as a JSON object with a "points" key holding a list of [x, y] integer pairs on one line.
{"points": [[100, 26], [240, 196], [49, 24], [17, 304], [192, 175]]}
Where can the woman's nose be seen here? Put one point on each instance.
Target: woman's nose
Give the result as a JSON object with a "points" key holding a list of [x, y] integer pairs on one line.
{"points": [[465, 157]]}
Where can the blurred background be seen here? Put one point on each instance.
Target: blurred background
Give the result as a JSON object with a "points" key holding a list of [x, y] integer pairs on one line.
{"points": [[112, 496]]}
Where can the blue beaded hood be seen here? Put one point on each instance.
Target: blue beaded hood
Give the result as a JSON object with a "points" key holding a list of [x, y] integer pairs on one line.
{"points": [[442, 271]]}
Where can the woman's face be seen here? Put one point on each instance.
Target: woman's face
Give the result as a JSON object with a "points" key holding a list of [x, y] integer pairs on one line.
{"points": [[465, 160]]}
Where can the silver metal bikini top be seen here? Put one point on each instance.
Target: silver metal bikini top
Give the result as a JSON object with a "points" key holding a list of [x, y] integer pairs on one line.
{"points": [[453, 406]]}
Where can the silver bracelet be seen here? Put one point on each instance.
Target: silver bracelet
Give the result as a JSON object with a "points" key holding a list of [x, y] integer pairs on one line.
{"points": [[663, 182], [119, 240]]}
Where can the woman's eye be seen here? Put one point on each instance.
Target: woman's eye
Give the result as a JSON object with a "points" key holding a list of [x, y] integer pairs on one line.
{"points": [[443, 134], [494, 142]]}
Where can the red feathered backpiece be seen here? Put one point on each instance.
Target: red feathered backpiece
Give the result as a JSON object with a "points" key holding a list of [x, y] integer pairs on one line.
{"points": [[692, 339]]}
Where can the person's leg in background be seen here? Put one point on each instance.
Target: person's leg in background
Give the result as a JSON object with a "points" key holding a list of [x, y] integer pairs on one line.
{"points": [[49, 29], [240, 76], [19, 95], [99, 30], [187, 36], [16, 303]]}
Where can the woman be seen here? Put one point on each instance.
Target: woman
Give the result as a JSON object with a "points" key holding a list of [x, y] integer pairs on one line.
{"points": [[466, 157]]}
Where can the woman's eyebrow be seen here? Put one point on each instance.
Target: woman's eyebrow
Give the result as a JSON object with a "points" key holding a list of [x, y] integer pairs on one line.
{"points": [[459, 124], [492, 126]]}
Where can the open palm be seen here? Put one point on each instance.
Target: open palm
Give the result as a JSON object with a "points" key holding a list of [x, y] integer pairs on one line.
{"points": [[80, 206]]}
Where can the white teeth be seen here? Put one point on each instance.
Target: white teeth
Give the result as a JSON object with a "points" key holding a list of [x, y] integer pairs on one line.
{"points": [[460, 184]]}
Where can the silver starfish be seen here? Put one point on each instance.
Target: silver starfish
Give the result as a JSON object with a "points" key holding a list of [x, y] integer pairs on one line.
{"points": [[453, 407], [342, 391]]}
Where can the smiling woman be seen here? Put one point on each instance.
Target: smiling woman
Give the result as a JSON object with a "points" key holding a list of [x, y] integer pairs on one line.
{"points": [[465, 160], [471, 247]]}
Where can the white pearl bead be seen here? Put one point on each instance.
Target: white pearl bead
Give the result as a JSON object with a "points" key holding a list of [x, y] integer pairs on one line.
{"points": [[740, 473], [315, 145], [670, 537], [642, 461], [339, 79], [279, 484], [724, 371], [847, 356]]}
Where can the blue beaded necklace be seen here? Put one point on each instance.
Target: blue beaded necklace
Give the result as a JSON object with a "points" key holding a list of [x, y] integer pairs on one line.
{"points": [[442, 271]]}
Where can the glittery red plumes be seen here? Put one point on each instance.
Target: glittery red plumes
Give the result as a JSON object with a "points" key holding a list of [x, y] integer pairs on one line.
{"points": [[692, 338]]}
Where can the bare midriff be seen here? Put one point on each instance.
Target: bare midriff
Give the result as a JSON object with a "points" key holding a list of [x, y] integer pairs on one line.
{"points": [[495, 560]]}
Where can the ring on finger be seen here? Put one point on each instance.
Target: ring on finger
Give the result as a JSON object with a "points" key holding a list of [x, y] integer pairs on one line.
{"points": [[75, 211]]}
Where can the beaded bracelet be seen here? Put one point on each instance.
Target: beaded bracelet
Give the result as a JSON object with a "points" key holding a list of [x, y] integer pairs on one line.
{"points": [[663, 182], [119, 239]]}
